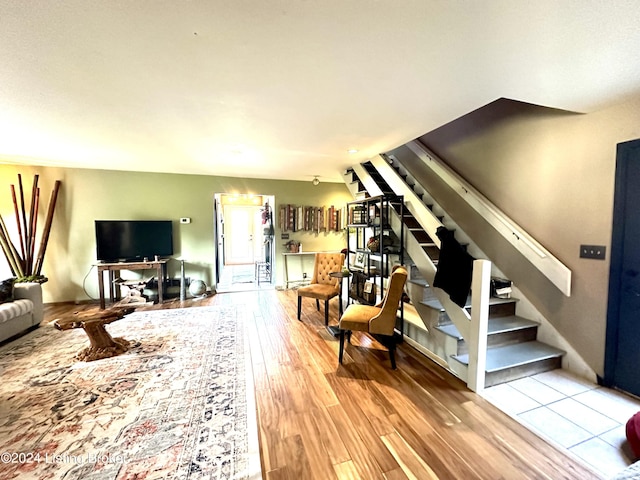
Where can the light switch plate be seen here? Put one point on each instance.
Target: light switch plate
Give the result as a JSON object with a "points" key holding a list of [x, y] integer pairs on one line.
{"points": [[596, 252]]}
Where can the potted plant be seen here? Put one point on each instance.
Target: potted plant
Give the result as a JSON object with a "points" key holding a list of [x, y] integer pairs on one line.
{"points": [[292, 246]]}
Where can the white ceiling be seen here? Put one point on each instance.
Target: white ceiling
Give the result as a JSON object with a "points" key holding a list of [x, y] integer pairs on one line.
{"points": [[283, 88]]}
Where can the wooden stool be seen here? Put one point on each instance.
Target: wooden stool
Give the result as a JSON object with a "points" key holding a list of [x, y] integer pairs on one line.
{"points": [[263, 272]]}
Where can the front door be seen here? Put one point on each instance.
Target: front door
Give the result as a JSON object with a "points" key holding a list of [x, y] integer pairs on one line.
{"points": [[239, 234], [622, 357]]}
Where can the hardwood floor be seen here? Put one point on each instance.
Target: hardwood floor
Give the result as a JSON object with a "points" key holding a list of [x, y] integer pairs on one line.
{"points": [[362, 420]]}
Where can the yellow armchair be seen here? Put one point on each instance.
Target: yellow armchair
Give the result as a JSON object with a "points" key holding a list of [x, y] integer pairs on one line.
{"points": [[378, 320], [322, 286]]}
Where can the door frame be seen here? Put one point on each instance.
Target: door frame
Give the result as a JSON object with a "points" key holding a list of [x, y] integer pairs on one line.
{"points": [[218, 234], [624, 152]]}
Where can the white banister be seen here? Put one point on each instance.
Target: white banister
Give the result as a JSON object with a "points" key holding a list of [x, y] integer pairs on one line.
{"points": [[477, 341], [537, 254]]}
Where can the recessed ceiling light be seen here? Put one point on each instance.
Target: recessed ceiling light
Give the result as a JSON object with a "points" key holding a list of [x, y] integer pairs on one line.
{"points": [[352, 151]]}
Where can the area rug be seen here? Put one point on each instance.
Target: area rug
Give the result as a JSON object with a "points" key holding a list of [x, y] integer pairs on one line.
{"points": [[180, 405]]}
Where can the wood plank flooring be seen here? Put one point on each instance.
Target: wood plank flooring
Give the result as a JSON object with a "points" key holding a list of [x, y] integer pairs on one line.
{"points": [[362, 420]]}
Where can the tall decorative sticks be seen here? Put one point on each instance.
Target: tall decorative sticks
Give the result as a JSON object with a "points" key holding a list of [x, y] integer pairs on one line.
{"points": [[27, 263]]}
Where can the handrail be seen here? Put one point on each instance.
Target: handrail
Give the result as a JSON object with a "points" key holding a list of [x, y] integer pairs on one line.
{"points": [[537, 254]]}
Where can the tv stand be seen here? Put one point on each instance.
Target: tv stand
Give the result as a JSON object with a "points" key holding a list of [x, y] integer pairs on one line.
{"points": [[114, 272]]}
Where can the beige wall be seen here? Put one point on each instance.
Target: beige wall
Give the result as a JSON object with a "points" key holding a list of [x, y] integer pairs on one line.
{"points": [[87, 195], [553, 173]]}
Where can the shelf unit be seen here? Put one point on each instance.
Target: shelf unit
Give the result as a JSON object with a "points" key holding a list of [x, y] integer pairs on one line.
{"points": [[373, 246]]}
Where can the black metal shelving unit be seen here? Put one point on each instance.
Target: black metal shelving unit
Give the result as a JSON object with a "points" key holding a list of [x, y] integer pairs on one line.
{"points": [[373, 246]]}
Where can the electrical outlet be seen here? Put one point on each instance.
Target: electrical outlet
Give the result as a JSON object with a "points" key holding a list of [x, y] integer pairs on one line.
{"points": [[304, 275], [185, 220], [596, 252]]}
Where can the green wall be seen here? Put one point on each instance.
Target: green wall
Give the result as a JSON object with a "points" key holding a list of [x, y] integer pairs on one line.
{"points": [[87, 195]]}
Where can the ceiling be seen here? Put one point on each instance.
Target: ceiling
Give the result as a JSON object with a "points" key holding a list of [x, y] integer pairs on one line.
{"points": [[284, 88]]}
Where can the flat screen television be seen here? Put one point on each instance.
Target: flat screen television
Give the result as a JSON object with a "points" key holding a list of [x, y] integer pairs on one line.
{"points": [[133, 240]]}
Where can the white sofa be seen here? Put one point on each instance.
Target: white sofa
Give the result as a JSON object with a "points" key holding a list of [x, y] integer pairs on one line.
{"points": [[25, 311]]}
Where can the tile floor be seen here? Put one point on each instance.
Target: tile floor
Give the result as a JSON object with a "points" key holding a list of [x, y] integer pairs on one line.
{"points": [[586, 419], [240, 278]]}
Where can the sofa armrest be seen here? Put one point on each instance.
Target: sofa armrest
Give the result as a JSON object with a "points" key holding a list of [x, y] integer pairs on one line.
{"points": [[33, 292]]}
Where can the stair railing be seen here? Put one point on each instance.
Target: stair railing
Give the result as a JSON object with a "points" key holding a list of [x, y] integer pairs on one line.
{"points": [[478, 329], [537, 254]]}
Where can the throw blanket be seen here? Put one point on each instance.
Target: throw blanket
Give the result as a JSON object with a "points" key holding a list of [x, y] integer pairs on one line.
{"points": [[455, 268]]}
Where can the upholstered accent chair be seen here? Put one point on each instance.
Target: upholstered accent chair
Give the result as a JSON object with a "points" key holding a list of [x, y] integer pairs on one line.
{"points": [[378, 320], [322, 286]]}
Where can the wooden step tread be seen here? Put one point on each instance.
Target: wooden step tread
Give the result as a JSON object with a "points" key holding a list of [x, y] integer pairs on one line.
{"points": [[509, 356], [496, 326]]}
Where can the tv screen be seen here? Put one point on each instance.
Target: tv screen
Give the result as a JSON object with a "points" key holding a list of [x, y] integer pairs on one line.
{"points": [[133, 240]]}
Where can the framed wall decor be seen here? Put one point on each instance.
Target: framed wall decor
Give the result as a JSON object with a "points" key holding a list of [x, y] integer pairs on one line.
{"points": [[296, 218]]}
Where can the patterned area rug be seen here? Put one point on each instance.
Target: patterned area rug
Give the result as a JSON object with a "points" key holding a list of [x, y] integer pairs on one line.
{"points": [[178, 406]]}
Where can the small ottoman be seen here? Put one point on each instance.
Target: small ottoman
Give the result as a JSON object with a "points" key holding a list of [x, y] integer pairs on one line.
{"points": [[633, 434]]}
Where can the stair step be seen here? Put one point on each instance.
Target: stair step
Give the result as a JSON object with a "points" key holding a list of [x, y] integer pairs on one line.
{"points": [[416, 277], [436, 305], [501, 331], [498, 307], [432, 251], [410, 221], [495, 326], [517, 361], [421, 236]]}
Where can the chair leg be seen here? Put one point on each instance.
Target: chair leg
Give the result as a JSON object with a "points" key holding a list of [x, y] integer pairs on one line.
{"points": [[341, 346], [326, 312], [349, 332], [299, 306], [318, 304], [390, 342], [392, 356]]}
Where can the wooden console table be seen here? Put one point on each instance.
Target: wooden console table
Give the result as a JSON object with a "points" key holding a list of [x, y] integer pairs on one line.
{"points": [[300, 256], [114, 272]]}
